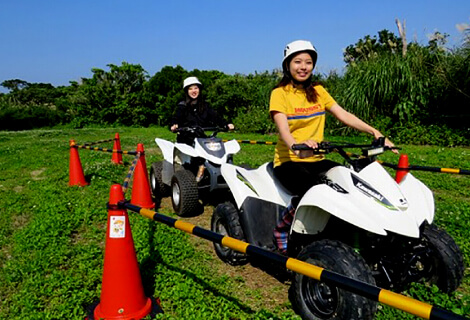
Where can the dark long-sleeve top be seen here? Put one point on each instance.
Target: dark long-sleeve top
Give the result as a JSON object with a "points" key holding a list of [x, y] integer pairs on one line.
{"points": [[188, 116]]}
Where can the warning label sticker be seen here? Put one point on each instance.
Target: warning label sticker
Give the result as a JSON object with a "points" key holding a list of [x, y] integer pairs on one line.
{"points": [[117, 229]]}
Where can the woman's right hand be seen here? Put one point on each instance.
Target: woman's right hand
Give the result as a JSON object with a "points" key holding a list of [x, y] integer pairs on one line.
{"points": [[174, 127], [306, 153]]}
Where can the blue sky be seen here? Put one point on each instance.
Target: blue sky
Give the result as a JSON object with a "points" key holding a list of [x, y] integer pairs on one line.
{"points": [[60, 41]]}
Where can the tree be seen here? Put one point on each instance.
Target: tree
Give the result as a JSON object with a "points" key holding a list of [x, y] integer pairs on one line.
{"points": [[14, 84], [165, 89], [116, 96], [370, 47], [25, 93]]}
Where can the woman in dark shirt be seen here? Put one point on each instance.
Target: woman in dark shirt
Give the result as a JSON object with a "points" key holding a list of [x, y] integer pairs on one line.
{"points": [[195, 111]]}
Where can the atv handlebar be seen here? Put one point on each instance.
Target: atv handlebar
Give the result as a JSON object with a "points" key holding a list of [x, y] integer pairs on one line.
{"points": [[368, 151], [201, 131]]}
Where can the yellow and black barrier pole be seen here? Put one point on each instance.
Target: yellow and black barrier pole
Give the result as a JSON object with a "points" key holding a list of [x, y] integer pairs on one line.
{"points": [[254, 142], [97, 142], [424, 168], [130, 173], [395, 300], [104, 149]]}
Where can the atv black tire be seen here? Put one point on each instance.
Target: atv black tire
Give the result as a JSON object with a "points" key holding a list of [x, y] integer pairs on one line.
{"points": [[315, 300], [447, 261], [159, 189], [184, 197], [225, 221]]}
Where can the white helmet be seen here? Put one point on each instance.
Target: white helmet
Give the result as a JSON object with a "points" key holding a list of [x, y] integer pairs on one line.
{"points": [[298, 46], [190, 81]]}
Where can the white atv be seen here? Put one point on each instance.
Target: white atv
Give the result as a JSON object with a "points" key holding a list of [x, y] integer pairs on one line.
{"points": [[191, 174], [359, 222]]}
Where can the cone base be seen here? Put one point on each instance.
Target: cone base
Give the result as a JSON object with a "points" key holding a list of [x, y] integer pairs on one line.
{"points": [[78, 184], [151, 308]]}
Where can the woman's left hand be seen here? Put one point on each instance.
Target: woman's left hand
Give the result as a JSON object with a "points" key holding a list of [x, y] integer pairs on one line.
{"points": [[390, 144]]}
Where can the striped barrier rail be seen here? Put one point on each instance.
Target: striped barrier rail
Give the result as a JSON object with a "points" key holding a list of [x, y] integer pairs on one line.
{"points": [[99, 141], [76, 176], [253, 142], [392, 299], [130, 173], [424, 168], [417, 168], [88, 147]]}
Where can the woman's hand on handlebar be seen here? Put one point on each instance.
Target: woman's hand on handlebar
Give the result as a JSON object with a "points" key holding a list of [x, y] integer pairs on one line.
{"points": [[390, 145], [306, 153], [230, 126], [174, 127]]}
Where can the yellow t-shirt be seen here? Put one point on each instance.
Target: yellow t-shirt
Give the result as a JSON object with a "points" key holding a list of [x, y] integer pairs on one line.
{"points": [[306, 119]]}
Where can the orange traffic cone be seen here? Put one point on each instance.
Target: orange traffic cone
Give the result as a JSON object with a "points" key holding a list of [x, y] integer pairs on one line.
{"points": [[402, 168], [141, 194], [76, 177], [122, 294], [117, 157]]}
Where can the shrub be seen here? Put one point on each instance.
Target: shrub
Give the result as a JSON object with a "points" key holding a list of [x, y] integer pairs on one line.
{"points": [[255, 120], [14, 117]]}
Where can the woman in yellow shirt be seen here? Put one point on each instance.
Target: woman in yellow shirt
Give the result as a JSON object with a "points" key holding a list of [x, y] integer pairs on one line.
{"points": [[298, 107]]}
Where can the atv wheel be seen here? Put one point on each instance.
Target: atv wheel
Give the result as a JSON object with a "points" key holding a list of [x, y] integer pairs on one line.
{"points": [[316, 300], [185, 197], [159, 189], [446, 262], [225, 221]]}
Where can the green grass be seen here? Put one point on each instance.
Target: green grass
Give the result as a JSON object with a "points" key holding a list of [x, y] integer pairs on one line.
{"points": [[52, 235]]}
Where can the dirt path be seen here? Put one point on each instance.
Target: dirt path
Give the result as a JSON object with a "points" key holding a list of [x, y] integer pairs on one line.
{"points": [[270, 292]]}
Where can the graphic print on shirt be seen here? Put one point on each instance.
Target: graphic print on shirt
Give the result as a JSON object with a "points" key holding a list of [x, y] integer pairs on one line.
{"points": [[306, 113]]}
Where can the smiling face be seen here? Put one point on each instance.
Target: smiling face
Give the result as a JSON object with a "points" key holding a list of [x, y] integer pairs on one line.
{"points": [[301, 66], [193, 91]]}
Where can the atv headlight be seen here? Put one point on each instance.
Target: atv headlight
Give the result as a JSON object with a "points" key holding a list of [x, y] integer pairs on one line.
{"points": [[375, 151], [213, 146]]}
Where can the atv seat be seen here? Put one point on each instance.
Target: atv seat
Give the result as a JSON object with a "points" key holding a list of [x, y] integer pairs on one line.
{"points": [[270, 169]]}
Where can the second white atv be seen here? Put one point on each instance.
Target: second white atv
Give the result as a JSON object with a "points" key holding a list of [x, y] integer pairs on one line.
{"points": [[359, 222], [191, 174]]}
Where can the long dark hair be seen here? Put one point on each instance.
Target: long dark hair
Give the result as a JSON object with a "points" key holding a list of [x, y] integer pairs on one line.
{"points": [[199, 102], [308, 85]]}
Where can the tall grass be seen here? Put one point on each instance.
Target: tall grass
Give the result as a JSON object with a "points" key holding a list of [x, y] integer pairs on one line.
{"points": [[389, 85]]}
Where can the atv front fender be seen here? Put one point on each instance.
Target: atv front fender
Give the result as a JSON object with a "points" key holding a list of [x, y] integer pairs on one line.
{"points": [[420, 198], [167, 149], [187, 150], [321, 201], [231, 147]]}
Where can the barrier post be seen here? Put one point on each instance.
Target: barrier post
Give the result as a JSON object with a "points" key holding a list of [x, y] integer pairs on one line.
{"points": [[117, 157], [76, 176], [122, 294], [141, 194], [402, 169]]}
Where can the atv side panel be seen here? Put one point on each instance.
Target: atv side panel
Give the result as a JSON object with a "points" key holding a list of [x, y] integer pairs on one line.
{"points": [[258, 219]]}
